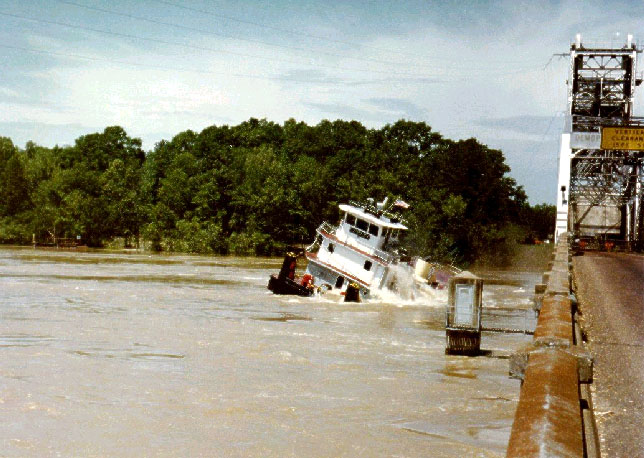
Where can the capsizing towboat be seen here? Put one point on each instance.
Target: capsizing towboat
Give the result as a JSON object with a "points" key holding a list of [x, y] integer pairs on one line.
{"points": [[353, 257]]}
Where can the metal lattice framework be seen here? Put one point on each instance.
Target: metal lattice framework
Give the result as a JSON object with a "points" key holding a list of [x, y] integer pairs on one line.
{"points": [[602, 82], [605, 177], [604, 186]]}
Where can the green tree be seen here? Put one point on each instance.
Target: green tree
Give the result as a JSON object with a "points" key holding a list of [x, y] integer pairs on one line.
{"points": [[121, 199], [14, 187], [258, 186]]}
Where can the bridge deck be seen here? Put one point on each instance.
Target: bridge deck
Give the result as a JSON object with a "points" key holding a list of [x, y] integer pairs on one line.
{"points": [[610, 290]]}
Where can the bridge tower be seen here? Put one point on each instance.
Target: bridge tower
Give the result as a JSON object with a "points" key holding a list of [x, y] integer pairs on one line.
{"points": [[601, 157]]}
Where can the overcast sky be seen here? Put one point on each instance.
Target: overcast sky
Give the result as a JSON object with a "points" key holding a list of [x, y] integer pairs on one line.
{"points": [[479, 69]]}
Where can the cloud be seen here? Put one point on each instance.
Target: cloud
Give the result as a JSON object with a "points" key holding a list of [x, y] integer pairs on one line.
{"points": [[8, 92], [344, 111], [384, 109], [45, 134], [525, 124], [400, 107], [310, 77], [533, 163], [404, 81], [306, 76]]}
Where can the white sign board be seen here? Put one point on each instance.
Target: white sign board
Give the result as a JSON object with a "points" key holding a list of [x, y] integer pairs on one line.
{"points": [[585, 140], [464, 304]]}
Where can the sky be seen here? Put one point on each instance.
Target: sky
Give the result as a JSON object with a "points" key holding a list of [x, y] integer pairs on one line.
{"points": [[483, 69]]}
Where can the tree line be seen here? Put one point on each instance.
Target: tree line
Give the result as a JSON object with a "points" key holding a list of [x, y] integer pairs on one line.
{"points": [[259, 186]]}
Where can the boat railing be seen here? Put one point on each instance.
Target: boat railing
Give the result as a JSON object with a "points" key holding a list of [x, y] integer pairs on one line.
{"points": [[384, 256], [324, 227], [328, 228]]}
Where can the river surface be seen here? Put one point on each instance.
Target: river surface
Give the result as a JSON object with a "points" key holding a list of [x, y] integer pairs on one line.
{"points": [[133, 355]]}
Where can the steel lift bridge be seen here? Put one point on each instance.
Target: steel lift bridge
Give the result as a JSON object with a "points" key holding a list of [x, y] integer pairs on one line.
{"points": [[601, 174]]}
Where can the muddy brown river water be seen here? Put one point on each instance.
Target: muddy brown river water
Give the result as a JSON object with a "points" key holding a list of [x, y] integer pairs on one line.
{"points": [[132, 355]]}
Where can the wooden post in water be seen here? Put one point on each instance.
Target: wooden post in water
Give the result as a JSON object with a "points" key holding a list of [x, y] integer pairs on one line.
{"points": [[463, 323]]}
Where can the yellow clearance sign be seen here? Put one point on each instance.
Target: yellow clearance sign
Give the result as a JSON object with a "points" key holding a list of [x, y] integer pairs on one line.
{"points": [[629, 138]]}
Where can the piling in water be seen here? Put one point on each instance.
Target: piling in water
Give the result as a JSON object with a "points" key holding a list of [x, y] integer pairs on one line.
{"points": [[464, 304]]}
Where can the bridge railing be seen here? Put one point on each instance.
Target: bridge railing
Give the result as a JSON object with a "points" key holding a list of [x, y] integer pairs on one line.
{"points": [[548, 419]]}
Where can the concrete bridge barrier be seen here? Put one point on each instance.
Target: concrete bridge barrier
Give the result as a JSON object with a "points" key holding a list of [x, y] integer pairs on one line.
{"points": [[554, 328], [549, 420]]}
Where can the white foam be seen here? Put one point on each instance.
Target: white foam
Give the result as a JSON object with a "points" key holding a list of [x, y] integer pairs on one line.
{"points": [[422, 295]]}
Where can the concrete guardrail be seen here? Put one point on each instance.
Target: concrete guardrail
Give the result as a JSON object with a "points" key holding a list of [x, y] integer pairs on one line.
{"points": [[549, 420]]}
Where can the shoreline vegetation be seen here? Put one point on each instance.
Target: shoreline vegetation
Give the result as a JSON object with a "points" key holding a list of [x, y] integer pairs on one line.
{"points": [[257, 187]]}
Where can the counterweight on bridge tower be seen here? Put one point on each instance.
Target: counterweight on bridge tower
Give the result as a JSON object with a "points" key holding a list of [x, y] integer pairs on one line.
{"points": [[599, 194]]}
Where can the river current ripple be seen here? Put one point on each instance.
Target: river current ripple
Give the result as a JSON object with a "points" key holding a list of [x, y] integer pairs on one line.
{"points": [[131, 354]]}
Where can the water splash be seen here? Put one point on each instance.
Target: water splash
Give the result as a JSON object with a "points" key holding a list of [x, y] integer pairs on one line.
{"points": [[400, 281], [404, 288]]}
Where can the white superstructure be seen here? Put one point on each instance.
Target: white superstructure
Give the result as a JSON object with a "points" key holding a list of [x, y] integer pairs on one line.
{"points": [[361, 249]]}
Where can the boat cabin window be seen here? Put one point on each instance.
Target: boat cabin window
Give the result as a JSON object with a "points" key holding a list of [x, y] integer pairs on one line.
{"points": [[331, 248], [394, 234], [339, 282], [362, 225], [367, 265]]}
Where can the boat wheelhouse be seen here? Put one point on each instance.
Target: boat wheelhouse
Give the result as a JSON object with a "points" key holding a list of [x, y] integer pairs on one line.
{"points": [[361, 249]]}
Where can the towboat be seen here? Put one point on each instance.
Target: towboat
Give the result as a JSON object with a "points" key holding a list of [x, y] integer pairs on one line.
{"points": [[361, 251]]}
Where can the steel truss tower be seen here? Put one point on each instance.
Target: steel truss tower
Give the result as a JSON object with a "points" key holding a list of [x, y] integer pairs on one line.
{"points": [[601, 158]]}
